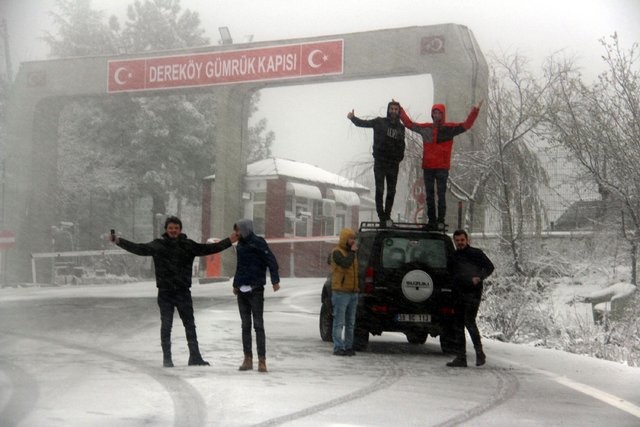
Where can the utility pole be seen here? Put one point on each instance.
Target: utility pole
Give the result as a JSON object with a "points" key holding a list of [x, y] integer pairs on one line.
{"points": [[7, 55]]}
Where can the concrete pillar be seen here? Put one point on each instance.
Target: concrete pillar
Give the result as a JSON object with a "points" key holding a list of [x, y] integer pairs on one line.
{"points": [[232, 105]]}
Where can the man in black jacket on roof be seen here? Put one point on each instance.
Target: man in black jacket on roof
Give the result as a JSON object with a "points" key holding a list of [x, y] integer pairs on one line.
{"points": [[173, 256], [388, 152]]}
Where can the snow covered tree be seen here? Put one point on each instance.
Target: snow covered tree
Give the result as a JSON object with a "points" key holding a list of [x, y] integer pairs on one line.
{"points": [[81, 30], [161, 25], [505, 172], [157, 146], [600, 126]]}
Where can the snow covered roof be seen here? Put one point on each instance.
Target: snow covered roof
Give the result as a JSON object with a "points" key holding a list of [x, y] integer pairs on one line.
{"points": [[273, 167]]}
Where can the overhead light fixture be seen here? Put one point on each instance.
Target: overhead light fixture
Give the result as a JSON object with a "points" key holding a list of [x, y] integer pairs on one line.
{"points": [[225, 35]]}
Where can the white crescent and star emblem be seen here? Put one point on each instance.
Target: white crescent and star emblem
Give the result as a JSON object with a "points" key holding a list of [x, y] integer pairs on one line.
{"points": [[118, 78], [432, 44], [435, 45], [312, 56]]}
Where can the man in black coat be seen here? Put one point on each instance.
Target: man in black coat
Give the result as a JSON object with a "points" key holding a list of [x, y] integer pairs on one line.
{"points": [[173, 256], [388, 152], [469, 267]]}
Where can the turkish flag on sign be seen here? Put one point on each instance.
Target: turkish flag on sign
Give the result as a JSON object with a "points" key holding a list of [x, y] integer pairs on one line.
{"points": [[322, 58], [126, 75]]}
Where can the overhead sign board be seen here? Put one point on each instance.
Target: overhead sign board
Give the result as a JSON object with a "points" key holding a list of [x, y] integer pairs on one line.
{"points": [[225, 67]]}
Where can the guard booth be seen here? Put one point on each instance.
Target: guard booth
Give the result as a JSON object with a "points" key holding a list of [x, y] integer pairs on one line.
{"points": [[212, 266]]}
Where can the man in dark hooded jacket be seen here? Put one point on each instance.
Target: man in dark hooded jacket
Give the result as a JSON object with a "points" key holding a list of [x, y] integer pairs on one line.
{"points": [[254, 258], [388, 152], [437, 142], [173, 256], [469, 267]]}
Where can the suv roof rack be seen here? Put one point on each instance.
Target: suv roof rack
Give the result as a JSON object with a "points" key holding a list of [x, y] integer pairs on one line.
{"points": [[374, 225]]}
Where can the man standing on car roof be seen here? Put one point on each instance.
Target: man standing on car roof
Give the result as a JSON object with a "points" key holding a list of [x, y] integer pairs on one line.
{"points": [[437, 143], [468, 266], [388, 152], [344, 292]]}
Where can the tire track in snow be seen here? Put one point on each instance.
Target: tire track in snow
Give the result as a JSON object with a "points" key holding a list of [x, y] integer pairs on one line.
{"points": [[390, 374], [23, 397], [189, 407], [507, 385]]}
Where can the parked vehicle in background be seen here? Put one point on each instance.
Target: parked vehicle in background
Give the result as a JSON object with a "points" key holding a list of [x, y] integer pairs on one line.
{"points": [[404, 285]]}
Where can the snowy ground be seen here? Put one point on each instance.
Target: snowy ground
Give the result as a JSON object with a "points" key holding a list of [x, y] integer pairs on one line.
{"points": [[90, 356]]}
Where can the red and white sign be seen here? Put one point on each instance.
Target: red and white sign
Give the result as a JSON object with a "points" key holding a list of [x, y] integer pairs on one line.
{"points": [[7, 239], [234, 66]]}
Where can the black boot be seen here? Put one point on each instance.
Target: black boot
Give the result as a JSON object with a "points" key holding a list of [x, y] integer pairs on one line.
{"points": [[195, 359], [166, 355], [481, 358], [458, 362]]}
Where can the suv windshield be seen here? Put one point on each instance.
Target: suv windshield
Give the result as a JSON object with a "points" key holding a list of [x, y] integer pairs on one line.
{"points": [[398, 251]]}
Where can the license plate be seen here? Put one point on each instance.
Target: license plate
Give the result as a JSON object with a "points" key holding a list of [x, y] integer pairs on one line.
{"points": [[415, 318]]}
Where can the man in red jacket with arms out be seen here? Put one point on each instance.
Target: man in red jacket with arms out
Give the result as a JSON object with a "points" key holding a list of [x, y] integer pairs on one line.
{"points": [[437, 140]]}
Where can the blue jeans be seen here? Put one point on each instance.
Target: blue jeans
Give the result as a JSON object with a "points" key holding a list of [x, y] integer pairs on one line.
{"points": [[344, 316], [439, 177]]}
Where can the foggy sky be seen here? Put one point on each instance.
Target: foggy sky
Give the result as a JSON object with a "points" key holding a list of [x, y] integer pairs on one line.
{"points": [[310, 122]]}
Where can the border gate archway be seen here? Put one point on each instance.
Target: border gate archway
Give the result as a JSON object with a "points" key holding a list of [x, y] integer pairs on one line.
{"points": [[231, 73]]}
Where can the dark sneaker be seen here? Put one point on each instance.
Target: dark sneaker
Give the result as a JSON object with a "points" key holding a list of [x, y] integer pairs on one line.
{"points": [[481, 358], [339, 353], [349, 352], [198, 362], [432, 226], [458, 362], [167, 363]]}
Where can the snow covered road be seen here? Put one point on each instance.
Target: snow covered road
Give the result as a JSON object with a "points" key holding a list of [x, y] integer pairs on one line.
{"points": [[90, 356]]}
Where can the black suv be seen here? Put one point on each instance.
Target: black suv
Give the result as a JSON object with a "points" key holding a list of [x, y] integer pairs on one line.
{"points": [[404, 285]]}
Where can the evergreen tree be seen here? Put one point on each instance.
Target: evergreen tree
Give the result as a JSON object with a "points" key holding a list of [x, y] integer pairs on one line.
{"points": [[124, 147]]}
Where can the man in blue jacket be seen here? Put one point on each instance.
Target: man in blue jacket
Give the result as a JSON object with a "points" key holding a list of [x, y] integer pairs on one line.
{"points": [[173, 256], [254, 257]]}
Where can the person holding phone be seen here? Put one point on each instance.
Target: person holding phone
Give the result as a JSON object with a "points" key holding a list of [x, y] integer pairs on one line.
{"points": [[173, 256]]}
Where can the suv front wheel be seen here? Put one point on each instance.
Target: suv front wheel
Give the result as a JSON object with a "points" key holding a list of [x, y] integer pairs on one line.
{"points": [[326, 323]]}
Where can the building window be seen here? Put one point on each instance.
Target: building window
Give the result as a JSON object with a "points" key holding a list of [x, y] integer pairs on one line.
{"points": [[303, 217], [289, 203], [300, 209], [258, 208], [297, 217], [258, 218], [302, 226], [341, 217]]}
